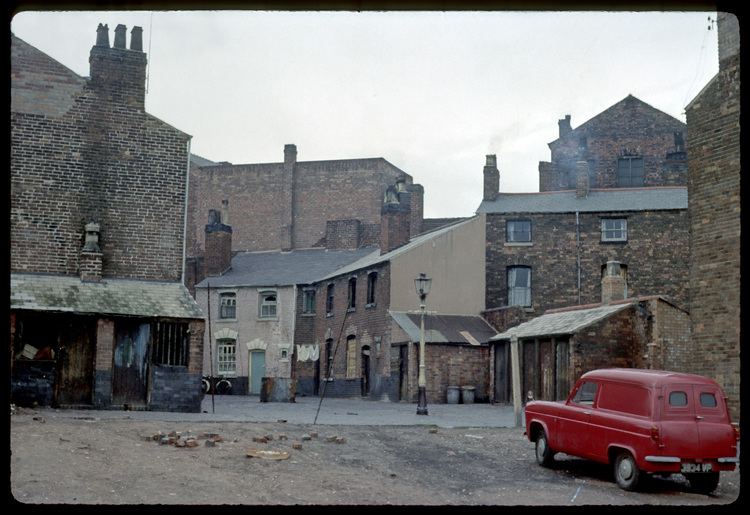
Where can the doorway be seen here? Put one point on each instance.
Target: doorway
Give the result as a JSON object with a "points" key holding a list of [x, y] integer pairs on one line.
{"points": [[257, 371], [365, 370], [502, 376], [403, 383], [129, 371]]}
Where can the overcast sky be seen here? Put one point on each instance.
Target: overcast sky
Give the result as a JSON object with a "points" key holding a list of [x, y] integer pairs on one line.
{"points": [[431, 92]]}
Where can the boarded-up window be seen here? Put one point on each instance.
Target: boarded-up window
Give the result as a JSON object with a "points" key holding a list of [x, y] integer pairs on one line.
{"points": [[351, 357], [169, 343]]}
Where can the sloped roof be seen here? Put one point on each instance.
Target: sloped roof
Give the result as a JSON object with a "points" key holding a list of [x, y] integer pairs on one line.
{"points": [[445, 328], [201, 161], [598, 200], [375, 257], [40, 292], [566, 322], [276, 268]]}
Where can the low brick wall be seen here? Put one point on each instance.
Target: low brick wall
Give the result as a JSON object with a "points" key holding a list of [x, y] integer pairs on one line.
{"points": [[173, 388], [33, 381]]}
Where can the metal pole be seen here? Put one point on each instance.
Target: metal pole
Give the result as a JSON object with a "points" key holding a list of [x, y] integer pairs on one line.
{"points": [[210, 349], [516, 373], [422, 382]]}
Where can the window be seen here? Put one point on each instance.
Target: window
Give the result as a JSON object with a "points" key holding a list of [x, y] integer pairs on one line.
{"points": [[329, 299], [308, 301], [708, 400], [226, 356], [518, 231], [372, 280], [630, 172], [267, 305], [351, 357], [678, 399], [228, 305], [519, 286], [352, 293], [585, 393], [169, 343], [614, 229]]}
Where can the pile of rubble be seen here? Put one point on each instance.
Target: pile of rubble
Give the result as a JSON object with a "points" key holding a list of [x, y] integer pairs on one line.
{"points": [[178, 439]]}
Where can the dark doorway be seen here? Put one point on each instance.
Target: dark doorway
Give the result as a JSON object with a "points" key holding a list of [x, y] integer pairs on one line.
{"points": [[403, 357], [502, 377], [365, 370], [316, 377], [130, 371]]}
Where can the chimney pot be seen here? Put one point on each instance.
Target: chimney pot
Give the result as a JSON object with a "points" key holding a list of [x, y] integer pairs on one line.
{"points": [[614, 286], [290, 153], [102, 35], [120, 31], [491, 160], [136, 39]]}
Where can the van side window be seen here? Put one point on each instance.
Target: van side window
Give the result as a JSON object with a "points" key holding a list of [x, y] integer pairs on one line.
{"points": [[708, 400], [678, 399], [585, 394], [625, 398]]}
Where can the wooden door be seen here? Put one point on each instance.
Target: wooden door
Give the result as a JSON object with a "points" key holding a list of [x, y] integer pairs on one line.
{"points": [[530, 370], [130, 363], [562, 370], [547, 369], [75, 361], [502, 377]]}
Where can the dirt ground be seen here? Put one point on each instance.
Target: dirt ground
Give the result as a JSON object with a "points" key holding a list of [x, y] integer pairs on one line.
{"points": [[97, 461]]}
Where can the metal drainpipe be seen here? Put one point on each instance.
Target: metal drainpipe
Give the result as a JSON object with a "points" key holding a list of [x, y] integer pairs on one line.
{"points": [[578, 256]]}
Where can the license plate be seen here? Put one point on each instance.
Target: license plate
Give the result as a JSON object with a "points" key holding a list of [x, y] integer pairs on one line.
{"points": [[696, 467]]}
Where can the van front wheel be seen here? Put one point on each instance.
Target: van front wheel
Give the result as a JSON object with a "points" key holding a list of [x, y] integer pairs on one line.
{"points": [[544, 453], [627, 474]]}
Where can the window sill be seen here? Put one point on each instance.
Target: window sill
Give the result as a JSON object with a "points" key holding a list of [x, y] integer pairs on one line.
{"points": [[267, 319], [329, 315], [519, 243], [351, 310], [370, 306], [613, 241], [528, 309], [227, 320], [310, 315]]}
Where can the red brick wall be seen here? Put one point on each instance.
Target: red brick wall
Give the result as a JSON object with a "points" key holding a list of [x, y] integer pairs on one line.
{"points": [[714, 193], [450, 365], [630, 124]]}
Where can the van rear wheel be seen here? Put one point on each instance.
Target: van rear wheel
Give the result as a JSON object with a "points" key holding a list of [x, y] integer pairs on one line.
{"points": [[544, 453], [703, 483], [627, 474]]}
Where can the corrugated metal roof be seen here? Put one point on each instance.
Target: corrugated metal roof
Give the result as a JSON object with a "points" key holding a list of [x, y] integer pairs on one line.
{"points": [[567, 322], [445, 328], [598, 200], [277, 268], [375, 257], [110, 296]]}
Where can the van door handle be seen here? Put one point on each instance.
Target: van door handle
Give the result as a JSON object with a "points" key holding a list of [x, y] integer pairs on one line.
{"points": [[587, 413], [698, 417]]}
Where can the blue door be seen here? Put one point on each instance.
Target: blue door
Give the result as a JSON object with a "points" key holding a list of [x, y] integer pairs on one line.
{"points": [[257, 370]]}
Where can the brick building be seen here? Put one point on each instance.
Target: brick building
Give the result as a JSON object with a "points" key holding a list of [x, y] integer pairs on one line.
{"points": [[630, 144], [549, 250], [287, 205], [556, 348], [353, 329], [99, 316], [714, 212]]}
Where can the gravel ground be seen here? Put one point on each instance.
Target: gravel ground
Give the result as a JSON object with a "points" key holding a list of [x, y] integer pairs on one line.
{"points": [[93, 460]]}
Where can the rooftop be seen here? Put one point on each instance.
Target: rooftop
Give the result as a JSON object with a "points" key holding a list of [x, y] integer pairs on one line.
{"points": [[462, 329]]}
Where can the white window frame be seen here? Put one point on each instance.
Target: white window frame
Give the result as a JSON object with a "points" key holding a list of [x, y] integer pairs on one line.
{"points": [[613, 231], [518, 295], [265, 310], [228, 295], [226, 357]]}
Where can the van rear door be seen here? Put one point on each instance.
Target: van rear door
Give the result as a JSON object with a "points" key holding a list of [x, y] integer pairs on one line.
{"points": [[717, 437], [679, 428]]}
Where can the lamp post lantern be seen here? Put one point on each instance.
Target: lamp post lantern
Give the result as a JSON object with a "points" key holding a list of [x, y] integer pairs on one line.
{"points": [[422, 285]]}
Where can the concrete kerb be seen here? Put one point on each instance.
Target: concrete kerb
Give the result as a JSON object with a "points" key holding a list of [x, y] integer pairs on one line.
{"points": [[333, 411]]}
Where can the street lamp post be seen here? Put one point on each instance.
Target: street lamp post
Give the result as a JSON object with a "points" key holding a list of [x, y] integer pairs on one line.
{"points": [[422, 285]]}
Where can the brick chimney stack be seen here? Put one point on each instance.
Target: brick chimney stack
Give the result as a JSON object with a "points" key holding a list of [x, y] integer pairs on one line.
{"points": [[287, 199], [218, 258], [582, 178], [614, 286], [564, 125], [116, 73], [90, 259], [491, 178], [395, 219]]}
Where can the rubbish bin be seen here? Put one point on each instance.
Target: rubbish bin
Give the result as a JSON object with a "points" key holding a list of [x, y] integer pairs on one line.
{"points": [[467, 394], [452, 395]]}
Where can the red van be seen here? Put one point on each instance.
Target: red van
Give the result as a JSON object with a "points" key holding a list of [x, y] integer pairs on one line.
{"points": [[640, 421]]}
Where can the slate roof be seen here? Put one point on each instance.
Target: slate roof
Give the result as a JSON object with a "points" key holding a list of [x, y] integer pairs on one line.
{"points": [[375, 257], [598, 200], [566, 322], [276, 268], [445, 328], [40, 292], [201, 161]]}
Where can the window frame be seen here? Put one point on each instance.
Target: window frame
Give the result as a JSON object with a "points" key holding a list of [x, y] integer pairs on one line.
{"points": [[330, 290], [351, 357], [508, 232], [351, 289], [627, 181], [510, 295], [263, 303], [308, 301], [222, 344], [222, 306], [372, 283], [623, 229]]}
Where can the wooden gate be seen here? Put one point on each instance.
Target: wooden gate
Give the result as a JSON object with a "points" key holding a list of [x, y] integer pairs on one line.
{"points": [[562, 370], [130, 359], [547, 369], [76, 340]]}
